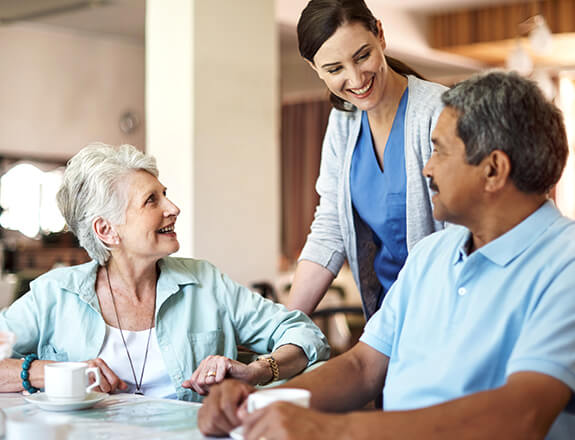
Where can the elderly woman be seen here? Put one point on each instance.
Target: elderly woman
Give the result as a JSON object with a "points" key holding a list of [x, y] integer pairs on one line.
{"points": [[153, 324]]}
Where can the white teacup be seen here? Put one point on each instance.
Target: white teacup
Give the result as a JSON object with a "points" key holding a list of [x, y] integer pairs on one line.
{"points": [[25, 428], [67, 381], [260, 399]]}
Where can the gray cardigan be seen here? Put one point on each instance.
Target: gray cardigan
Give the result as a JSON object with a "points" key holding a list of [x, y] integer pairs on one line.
{"points": [[337, 232]]}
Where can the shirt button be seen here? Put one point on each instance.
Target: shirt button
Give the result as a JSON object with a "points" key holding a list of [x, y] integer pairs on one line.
{"points": [[461, 291]]}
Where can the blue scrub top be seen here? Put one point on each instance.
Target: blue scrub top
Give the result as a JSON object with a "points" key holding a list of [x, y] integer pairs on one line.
{"points": [[378, 196]]}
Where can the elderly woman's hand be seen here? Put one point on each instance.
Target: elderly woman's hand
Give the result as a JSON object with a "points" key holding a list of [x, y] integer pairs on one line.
{"points": [[214, 369], [109, 382]]}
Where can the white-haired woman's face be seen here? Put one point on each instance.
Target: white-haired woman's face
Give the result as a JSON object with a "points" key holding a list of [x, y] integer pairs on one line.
{"points": [[149, 229]]}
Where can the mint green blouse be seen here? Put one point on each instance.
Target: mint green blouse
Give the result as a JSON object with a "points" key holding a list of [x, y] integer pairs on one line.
{"points": [[199, 312]]}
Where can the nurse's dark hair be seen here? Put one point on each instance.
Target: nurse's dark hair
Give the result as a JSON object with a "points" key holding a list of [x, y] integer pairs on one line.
{"points": [[504, 111], [319, 21]]}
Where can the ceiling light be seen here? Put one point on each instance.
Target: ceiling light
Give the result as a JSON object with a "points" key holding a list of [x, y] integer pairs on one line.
{"points": [[545, 83], [519, 60], [540, 36]]}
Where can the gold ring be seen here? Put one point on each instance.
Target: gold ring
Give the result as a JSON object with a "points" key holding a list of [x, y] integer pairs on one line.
{"points": [[211, 373]]}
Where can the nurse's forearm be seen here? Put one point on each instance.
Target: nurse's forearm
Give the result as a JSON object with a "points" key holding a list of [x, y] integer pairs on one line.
{"points": [[309, 286]]}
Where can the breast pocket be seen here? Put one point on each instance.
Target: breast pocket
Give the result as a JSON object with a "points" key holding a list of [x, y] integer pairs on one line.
{"points": [[395, 219], [50, 353], [204, 344]]}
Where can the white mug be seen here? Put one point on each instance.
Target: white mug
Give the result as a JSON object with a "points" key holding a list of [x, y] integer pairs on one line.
{"points": [[20, 427], [260, 399], [67, 381]]}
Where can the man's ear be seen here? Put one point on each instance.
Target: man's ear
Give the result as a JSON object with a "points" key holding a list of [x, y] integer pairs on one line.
{"points": [[105, 232], [497, 168]]}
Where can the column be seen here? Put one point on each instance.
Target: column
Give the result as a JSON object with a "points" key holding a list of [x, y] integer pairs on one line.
{"points": [[212, 123]]}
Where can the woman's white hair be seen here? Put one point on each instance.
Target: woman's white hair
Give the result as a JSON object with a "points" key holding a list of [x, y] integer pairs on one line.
{"points": [[91, 189]]}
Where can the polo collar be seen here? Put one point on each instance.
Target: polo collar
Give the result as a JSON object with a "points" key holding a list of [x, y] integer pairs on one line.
{"points": [[508, 246], [461, 248]]}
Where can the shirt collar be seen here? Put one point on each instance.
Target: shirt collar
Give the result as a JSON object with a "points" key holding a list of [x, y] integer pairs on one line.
{"points": [[505, 248], [173, 274], [461, 247], [79, 279]]}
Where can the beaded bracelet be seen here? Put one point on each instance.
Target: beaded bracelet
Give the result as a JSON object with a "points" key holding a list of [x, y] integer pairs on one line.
{"points": [[25, 374]]}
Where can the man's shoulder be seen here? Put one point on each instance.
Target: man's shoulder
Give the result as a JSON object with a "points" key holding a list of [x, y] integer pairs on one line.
{"points": [[558, 240]]}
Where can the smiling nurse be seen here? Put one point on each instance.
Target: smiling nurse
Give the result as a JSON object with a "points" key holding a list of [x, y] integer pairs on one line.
{"points": [[374, 202]]}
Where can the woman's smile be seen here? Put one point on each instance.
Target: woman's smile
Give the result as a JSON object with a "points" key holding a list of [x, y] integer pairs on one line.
{"points": [[365, 91], [168, 230]]}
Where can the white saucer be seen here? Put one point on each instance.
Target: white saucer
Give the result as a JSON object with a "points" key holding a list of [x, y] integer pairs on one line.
{"points": [[42, 401], [237, 433]]}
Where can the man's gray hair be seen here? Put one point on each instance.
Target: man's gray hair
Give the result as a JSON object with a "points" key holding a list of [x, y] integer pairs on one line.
{"points": [[91, 189], [504, 111]]}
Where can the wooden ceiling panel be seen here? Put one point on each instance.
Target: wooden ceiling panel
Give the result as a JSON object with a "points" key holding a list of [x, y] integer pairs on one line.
{"points": [[496, 23], [495, 53], [489, 34]]}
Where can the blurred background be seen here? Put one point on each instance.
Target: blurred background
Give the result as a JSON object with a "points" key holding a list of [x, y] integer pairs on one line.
{"points": [[217, 92]]}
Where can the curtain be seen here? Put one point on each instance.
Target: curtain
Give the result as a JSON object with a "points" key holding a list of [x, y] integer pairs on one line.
{"points": [[302, 129]]}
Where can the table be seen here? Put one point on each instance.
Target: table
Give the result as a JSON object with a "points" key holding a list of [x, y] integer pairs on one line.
{"points": [[118, 417]]}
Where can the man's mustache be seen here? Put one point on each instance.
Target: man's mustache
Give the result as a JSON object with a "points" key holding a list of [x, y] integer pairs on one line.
{"points": [[432, 185]]}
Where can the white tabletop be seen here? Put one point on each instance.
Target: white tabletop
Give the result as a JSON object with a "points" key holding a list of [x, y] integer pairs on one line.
{"points": [[118, 417]]}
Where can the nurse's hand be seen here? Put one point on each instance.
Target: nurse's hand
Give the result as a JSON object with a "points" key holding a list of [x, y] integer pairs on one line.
{"points": [[109, 381]]}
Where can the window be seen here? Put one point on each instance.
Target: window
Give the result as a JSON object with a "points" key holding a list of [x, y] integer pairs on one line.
{"points": [[28, 200]]}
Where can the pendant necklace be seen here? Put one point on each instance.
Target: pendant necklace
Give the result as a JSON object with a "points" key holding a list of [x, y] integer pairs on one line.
{"points": [[138, 384]]}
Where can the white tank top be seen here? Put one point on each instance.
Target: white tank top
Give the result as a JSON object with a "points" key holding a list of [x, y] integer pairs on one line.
{"points": [[156, 381]]}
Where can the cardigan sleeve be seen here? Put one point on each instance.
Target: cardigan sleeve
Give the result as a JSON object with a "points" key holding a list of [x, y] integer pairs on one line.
{"points": [[325, 244]]}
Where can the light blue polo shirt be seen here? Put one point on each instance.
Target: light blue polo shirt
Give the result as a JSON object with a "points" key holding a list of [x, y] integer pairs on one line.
{"points": [[455, 324]]}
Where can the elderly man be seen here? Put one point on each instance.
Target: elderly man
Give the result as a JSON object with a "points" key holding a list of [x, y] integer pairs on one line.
{"points": [[476, 339]]}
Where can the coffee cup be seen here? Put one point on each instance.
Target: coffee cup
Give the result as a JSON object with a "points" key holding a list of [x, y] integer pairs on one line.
{"points": [[263, 398], [67, 381], [20, 427]]}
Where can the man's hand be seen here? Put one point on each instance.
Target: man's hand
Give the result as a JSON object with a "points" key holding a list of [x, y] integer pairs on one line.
{"points": [[109, 381], [285, 421], [223, 408]]}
